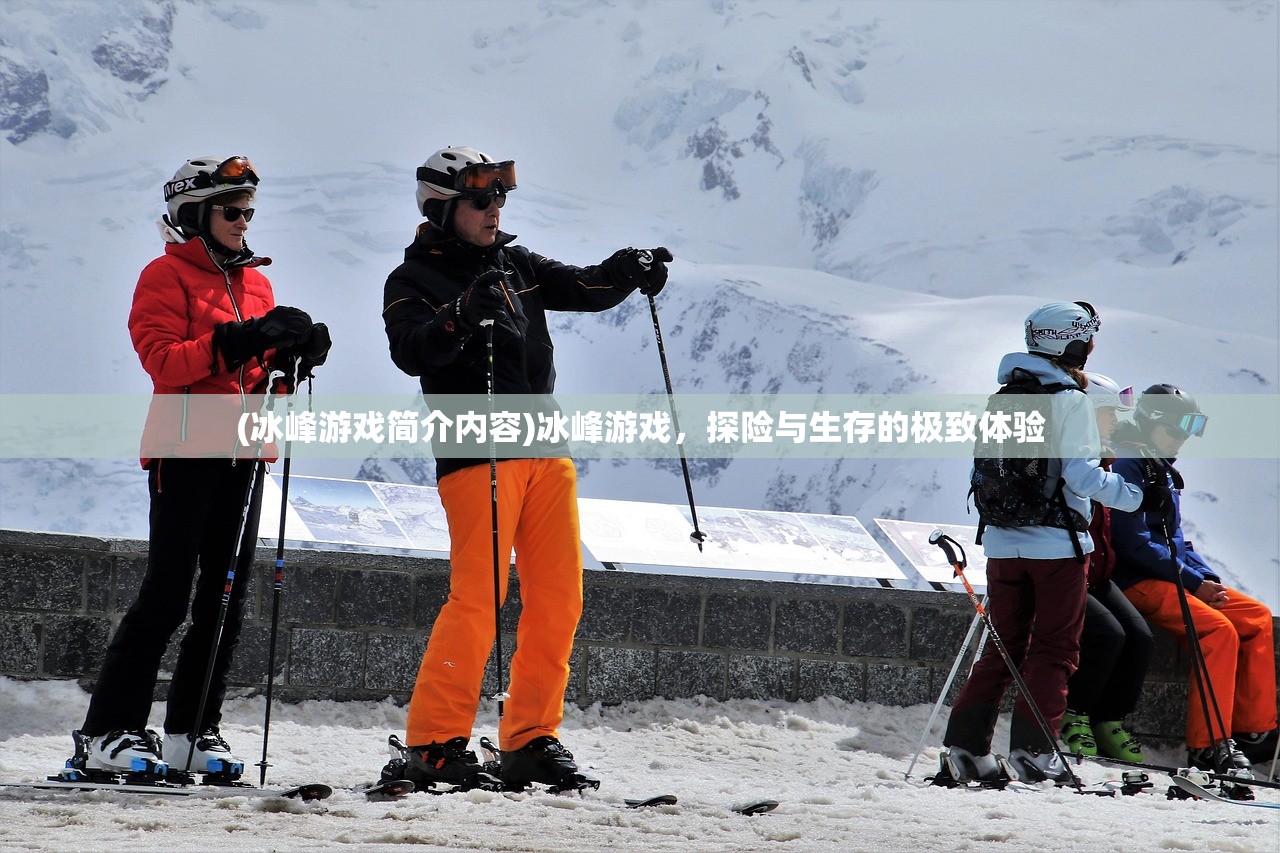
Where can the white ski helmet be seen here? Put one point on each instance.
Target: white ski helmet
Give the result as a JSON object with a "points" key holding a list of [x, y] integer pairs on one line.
{"points": [[453, 171], [1063, 330], [1105, 393], [199, 180]]}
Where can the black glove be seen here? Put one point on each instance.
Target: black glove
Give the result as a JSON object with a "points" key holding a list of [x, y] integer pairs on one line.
{"points": [[280, 327], [639, 269], [1156, 499], [309, 353], [483, 300]]}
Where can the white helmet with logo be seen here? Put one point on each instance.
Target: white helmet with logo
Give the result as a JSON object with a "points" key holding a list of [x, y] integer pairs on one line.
{"points": [[199, 180], [458, 171], [1063, 330], [1104, 392]]}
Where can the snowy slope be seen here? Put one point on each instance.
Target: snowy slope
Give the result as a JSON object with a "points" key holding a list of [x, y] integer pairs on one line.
{"points": [[860, 195], [837, 768]]}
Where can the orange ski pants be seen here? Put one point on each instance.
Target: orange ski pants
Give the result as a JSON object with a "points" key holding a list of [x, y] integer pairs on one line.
{"points": [[1238, 653], [538, 514]]}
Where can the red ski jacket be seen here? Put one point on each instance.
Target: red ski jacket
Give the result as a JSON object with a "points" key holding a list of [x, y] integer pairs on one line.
{"points": [[180, 298]]}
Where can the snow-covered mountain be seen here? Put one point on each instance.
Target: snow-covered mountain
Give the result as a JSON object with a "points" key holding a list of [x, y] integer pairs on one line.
{"points": [[861, 196]]}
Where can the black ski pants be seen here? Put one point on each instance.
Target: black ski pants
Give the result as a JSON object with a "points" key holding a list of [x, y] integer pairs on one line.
{"points": [[1115, 651], [196, 508]]}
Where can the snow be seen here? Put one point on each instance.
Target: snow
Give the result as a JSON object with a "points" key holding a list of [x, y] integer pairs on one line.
{"points": [[836, 768]]}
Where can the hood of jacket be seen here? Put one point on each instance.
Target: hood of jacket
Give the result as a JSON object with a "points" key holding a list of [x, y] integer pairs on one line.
{"points": [[1041, 368]]}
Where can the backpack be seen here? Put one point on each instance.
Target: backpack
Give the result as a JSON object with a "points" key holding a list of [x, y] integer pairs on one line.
{"points": [[1007, 484]]}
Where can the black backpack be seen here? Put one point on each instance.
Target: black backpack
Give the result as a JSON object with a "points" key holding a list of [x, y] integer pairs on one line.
{"points": [[1008, 484]]}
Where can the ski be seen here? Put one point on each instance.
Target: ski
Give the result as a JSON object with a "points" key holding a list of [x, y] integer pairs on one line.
{"points": [[1008, 780], [1174, 771], [1200, 792], [388, 789], [755, 807], [306, 793], [660, 800]]}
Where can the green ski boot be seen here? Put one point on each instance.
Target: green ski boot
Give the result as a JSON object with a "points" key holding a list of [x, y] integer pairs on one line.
{"points": [[1077, 734], [1114, 742]]}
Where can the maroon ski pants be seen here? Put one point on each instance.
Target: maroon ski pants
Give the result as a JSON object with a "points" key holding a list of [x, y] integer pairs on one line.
{"points": [[1049, 597]]}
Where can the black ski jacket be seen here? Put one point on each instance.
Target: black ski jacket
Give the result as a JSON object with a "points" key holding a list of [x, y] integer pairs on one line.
{"points": [[428, 341]]}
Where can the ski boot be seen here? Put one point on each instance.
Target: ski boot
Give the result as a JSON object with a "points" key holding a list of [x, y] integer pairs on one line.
{"points": [[1114, 742], [211, 758], [1077, 734], [1258, 747], [1222, 757], [132, 757], [957, 767], [543, 760], [438, 768], [1040, 767]]}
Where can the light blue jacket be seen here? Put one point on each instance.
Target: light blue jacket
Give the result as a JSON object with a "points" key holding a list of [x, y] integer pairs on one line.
{"points": [[1073, 455]]}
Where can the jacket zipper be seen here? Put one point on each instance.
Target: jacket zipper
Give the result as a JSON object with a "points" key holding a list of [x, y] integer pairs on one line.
{"points": [[235, 309]]}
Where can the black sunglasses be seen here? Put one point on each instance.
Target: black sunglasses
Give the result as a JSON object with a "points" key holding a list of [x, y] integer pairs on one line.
{"points": [[232, 213], [483, 200]]}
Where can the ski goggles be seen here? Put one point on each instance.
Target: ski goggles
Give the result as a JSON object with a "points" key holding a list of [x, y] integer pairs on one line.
{"points": [[234, 171], [474, 177], [1187, 425], [1121, 400], [231, 213]]}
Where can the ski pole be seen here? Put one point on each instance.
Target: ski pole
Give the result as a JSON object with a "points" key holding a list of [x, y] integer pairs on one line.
{"points": [[272, 378], [937, 706], [943, 541], [502, 695], [1199, 668], [276, 589], [1275, 757], [645, 259]]}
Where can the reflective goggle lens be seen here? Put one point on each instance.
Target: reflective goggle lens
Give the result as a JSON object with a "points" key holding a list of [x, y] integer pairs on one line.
{"points": [[235, 170], [1189, 425], [487, 176], [1126, 398]]}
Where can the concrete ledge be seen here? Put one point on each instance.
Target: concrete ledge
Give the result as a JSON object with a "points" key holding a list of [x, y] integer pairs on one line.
{"points": [[354, 626]]}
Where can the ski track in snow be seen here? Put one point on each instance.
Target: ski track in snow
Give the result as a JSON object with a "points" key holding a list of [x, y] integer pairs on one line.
{"points": [[836, 768]]}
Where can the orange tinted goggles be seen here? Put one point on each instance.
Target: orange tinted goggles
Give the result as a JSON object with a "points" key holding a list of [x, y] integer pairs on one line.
{"points": [[486, 176], [474, 177], [235, 170]]}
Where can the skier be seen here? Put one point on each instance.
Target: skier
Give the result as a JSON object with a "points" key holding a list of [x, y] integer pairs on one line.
{"points": [[1034, 578], [460, 271], [1234, 630], [203, 321], [1115, 644]]}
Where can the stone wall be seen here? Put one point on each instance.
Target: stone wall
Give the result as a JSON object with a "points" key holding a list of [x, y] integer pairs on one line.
{"points": [[354, 625]]}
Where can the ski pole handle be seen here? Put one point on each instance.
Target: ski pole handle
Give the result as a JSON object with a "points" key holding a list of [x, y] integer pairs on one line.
{"points": [[943, 541], [644, 258]]}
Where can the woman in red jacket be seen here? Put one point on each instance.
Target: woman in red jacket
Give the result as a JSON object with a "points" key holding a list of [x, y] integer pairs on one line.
{"points": [[204, 321]]}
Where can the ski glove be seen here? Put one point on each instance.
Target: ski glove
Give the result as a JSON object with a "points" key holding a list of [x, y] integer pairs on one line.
{"points": [[280, 327], [310, 352], [639, 269], [483, 300], [1156, 499]]}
